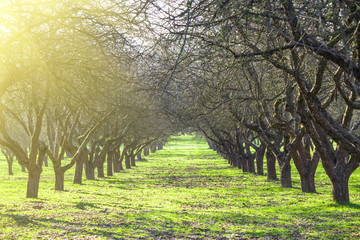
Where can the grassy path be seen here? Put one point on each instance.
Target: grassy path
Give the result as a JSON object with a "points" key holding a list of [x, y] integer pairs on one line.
{"points": [[185, 191]]}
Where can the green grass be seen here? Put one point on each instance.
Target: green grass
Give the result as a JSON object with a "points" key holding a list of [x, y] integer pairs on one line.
{"points": [[185, 191]]}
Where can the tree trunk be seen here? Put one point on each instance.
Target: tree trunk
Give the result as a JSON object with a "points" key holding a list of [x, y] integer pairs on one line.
{"points": [[100, 166], [33, 183], [244, 163], [146, 151], [153, 148], [23, 168], [138, 156], [89, 171], [59, 179], [109, 165], [306, 166], [46, 164], [79, 168], [251, 164], [127, 162], [271, 168], [340, 189], [10, 161], [100, 170], [260, 160], [307, 182], [116, 161], [285, 176], [121, 163], [132, 160]]}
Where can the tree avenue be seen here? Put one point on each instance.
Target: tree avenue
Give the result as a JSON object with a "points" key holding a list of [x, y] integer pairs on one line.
{"points": [[268, 83]]}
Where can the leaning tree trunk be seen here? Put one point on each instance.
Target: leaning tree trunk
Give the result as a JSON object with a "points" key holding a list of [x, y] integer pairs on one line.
{"points": [[59, 179], [271, 162], [33, 183]]}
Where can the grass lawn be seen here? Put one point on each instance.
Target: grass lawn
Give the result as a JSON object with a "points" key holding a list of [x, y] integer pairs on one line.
{"points": [[185, 191]]}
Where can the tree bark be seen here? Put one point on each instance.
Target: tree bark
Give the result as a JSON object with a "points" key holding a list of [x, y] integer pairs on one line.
{"points": [[100, 170], [271, 162], [308, 183], [10, 161], [132, 160], [109, 165], [127, 162], [260, 160], [100, 165], [245, 164], [89, 171], [59, 179], [46, 164], [285, 176], [306, 166], [116, 160], [146, 151], [251, 164], [79, 167], [340, 188], [153, 148], [33, 183]]}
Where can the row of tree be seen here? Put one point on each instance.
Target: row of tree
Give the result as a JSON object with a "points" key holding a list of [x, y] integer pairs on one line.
{"points": [[70, 86], [274, 78], [257, 77]]}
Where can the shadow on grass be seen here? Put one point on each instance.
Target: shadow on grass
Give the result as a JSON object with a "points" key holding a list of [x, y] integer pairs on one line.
{"points": [[83, 205], [159, 224], [20, 220]]}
